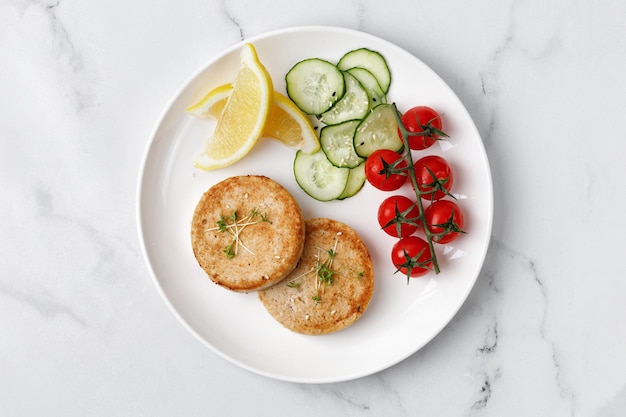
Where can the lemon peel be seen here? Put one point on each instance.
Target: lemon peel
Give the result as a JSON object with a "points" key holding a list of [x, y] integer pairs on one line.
{"points": [[285, 121], [243, 118]]}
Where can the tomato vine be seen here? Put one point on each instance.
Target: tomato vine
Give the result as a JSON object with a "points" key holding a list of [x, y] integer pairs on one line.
{"points": [[410, 168]]}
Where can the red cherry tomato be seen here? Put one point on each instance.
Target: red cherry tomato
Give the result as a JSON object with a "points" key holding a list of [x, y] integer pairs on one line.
{"points": [[386, 170], [426, 122], [434, 177], [411, 255], [444, 219], [397, 215]]}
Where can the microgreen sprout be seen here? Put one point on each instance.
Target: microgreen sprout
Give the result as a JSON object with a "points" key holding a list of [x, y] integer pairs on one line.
{"points": [[234, 225], [322, 272]]}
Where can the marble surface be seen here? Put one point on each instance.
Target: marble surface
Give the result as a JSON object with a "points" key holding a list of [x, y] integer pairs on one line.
{"points": [[83, 330]]}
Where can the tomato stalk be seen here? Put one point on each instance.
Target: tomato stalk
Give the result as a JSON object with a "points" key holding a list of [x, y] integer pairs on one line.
{"points": [[414, 262], [449, 226], [392, 168], [429, 130], [436, 185], [411, 172], [400, 218]]}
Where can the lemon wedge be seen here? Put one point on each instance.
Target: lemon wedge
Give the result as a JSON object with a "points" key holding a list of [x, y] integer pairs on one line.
{"points": [[243, 118], [285, 121], [288, 124], [212, 105]]}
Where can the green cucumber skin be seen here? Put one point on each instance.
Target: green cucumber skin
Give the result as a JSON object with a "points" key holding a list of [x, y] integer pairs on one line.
{"points": [[304, 87], [342, 154], [356, 181], [354, 104], [372, 61], [365, 143], [302, 166], [369, 82], [334, 173]]}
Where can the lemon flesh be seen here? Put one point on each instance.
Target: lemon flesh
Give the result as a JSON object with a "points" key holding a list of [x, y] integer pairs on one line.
{"points": [[243, 118], [212, 104], [288, 124], [285, 121]]}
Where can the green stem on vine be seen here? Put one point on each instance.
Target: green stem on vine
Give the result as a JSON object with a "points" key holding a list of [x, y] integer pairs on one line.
{"points": [[411, 170]]}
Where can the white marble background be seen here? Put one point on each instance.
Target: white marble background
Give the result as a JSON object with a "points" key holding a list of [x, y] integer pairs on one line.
{"points": [[83, 331]]}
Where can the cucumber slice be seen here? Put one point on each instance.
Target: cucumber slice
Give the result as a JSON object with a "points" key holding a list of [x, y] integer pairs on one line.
{"points": [[337, 142], [379, 130], [370, 83], [318, 177], [372, 61], [315, 85], [353, 105], [356, 180]]}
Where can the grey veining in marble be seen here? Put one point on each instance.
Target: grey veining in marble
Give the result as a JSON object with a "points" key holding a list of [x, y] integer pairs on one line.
{"points": [[83, 331]]}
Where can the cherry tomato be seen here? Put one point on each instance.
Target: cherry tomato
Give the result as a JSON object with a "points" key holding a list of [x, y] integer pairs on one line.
{"points": [[411, 255], [397, 215], [434, 177], [386, 170], [444, 219], [425, 121]]}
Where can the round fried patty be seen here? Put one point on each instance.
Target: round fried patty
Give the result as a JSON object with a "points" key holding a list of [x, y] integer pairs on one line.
{"points": [[332, 285], [247, 233]]}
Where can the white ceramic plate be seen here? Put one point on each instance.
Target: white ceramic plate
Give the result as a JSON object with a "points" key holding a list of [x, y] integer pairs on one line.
{"points": [[400, 319]]}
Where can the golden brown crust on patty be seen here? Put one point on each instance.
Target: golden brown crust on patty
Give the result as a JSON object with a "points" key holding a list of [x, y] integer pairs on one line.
{"points": [[266, 250], [301, 305]]}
